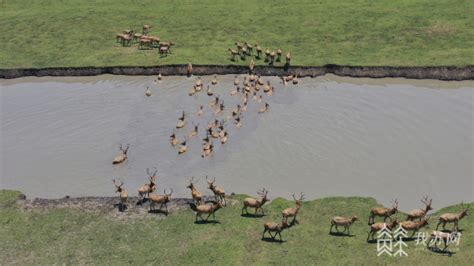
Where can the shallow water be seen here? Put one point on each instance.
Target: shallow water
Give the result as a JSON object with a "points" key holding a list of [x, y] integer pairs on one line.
{"points": [[328, 136]]}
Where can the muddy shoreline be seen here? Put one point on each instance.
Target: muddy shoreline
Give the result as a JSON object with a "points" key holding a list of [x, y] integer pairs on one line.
{"points": [[424, 72]]}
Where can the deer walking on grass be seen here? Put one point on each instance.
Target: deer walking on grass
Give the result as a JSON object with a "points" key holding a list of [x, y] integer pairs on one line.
{"points": [[160, 199], [420, 213], [257, 204], [209, 209], [122, 156], [346, 222], [452, 218], [383, 212], [376, 227], [293, 212], [276, 228], [414, 225]]}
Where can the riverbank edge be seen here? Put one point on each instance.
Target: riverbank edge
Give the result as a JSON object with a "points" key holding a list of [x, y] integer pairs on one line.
{"points": [[447, 73]]}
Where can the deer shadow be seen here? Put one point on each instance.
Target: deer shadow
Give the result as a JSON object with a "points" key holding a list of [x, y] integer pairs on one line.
{"points": [[250, 215], [159, 212], [341, 234], [441, 251], [141, 201], [120, 207], [272, 240], [372, 241], [207, 222]]}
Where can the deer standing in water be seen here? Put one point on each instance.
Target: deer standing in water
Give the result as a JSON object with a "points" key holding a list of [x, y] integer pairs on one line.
{"points": [[452, 218], [174, 140], [256, 203], [420, 213], [293, 212], [383, 212], [123, 193], [181, 121], [195, 131], [146, 189], [197, 196], [219, 193], [160, 199], [122, 156], [276, 228]]}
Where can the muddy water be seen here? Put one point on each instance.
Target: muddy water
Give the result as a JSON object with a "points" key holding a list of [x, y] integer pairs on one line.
{"points": [[328, 136]]}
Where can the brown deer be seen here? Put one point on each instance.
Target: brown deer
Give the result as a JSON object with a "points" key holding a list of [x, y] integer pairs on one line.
{"points": [[160, 199], [279, 52], [122, 156], [446, 238], [264, 108], [234, 92], [207, 149], [267, 55], [238, 121], [181, 121], [251, 65], [267, 87], [197, 196], [189, 70], [236, 81], [209, 91], [145, 43], [183, 148], [383, 212], [452, 218], [174, 140], [148, 92], [214, 80], [414, 225], [195, 131], [233, 54], [145, 29], [276, 228], [207, 209], [201, 110], [224, 138], [295, 80], [146, 189], [293, 212], [374, 228], [420, 213], [215, 102], [343, 221], [123, 193], [249, 48], [256, 203], [272, 56], [259, 50], [288, 58], [219, 192]]}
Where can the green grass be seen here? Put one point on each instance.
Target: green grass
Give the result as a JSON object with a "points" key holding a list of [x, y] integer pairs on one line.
{"points": [[58, 33], [70, 236]]}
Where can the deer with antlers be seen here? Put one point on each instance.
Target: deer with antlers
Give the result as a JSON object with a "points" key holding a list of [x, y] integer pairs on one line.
{"points": [[194, 132], [376, 227], [122, 156], [276, 228], [420, 213], [446, 238], [219, 192], [181, 121], [145, 190], [256, 203], [197, 196], [160, 199], [122, 191], [414, 225], [293, 212], [453, 218], [383, 212]]}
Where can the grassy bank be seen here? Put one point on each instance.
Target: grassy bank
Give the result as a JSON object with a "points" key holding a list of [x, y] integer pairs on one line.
{"points": [[357, 32], [69, 235]]}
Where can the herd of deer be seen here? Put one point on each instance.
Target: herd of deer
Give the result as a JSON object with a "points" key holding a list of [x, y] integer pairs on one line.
{"points": [[144, 40], [246, 49]]}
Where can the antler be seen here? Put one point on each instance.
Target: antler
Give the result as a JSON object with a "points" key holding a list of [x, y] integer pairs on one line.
{"points": [[154, 173], [301, 196]]}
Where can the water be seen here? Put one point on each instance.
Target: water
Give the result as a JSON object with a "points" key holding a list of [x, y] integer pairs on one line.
{"points": [[328, 136]]}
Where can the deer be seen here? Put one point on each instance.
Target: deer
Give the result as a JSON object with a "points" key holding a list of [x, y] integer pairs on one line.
{"points": [[192, 91], [200, 111], [219, 192], [267, 55], [236, 81], [145, 43], [235, 91], [189, 70], [214, 102], [233, 54], [224, 138], [209, 91], [207, 209], [259, 50], [181, 121], [197, 196], [148, 92], [279, 53], [276, 228], [420, 213], [343, 221], [146, 189], [288, 58], [374, 228], [214, 80], [220, 109], [414, 225], [256, 203], [383, 212], [198, 82], [293, 212], [195, 131], [249, 48], [145, 29], [122, 156], [272, 56], [160, 199], [437, 236], [267, 87], [238, 122], [174, 140], [251, 65], [260, 80], [207, 149], [183, 148], [264, 108], [295, 80], [453, 218], [122, 192]]}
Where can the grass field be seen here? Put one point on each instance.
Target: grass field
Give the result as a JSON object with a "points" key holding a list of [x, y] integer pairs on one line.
{"points": [[72, 236], [67, 33]]}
